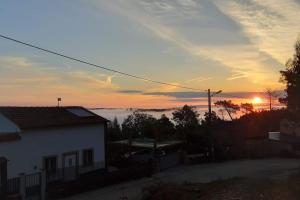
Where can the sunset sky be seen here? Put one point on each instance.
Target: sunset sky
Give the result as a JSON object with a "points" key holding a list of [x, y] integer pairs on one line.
{"points": [[236, 45]]}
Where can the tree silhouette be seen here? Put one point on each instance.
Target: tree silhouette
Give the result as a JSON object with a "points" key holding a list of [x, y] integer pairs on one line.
{"points": [[164, 128], [214, 118], [291, 76], [139, 125], [186, 120], [114, 130], [247, 108], [228, 106]]}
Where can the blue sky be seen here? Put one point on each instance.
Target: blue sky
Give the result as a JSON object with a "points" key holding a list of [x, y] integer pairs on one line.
{"points": [[236, 46]]}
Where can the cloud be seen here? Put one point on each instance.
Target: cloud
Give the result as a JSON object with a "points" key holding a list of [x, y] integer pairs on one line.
{"points": [[237, 76], [178, 94], [130, 91], [196, 95], [199, 79], [272, 25], [257, 58], [15, 62], [90, 80], [22, 72]]}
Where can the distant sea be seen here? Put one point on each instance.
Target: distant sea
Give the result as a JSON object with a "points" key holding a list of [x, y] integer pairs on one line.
{"points": [[122, 113]]}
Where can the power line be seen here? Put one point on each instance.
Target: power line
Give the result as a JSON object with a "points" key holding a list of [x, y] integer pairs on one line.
{"points": [[98, 66]]}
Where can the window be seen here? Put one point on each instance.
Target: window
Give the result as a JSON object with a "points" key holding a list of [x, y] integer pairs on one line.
{"points": [[88, 157], [50, 164]]}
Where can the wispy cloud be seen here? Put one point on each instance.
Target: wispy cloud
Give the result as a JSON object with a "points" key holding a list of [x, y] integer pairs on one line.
{"points": [[89, 80], [272, 25], [199, 95], [237, 76], [130, 91], [199, 79], [270, 31], [23, 72], [15, 62]]}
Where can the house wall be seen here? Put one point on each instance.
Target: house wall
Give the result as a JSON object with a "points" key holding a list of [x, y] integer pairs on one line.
{"points": [[26, 155]]}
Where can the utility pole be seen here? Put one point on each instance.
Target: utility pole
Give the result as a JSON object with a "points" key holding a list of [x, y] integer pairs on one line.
{"points": [[270, 99], [209, 95], [209, 105], [271, 94]]}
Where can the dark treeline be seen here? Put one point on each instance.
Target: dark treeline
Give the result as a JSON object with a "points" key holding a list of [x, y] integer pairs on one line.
{"points": [[139, 124]]}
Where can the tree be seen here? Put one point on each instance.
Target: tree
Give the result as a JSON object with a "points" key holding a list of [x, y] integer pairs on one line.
{"points": [[214, 118], [186, 120], [139, 124], [114, 130], [228, 106], [164, 128], [291, 77], [247, 108]]}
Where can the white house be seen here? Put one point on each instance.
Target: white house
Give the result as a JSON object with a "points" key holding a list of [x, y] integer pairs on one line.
{"points": [[51, 139]]}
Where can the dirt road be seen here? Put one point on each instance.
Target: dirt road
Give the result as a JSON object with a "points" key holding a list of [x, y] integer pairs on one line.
{"points": [[196, 173]]}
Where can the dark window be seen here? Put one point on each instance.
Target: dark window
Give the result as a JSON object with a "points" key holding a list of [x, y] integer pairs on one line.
{"points": [[50, 164], [88, 157]]}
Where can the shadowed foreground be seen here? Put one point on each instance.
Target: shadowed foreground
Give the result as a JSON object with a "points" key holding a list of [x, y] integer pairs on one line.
{"points": [[237, 188], [204, 175]]}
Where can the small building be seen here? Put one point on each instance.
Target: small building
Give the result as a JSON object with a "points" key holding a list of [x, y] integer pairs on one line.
{"points": [[63, 141], [144, 150], [267, 145], [285, 142]]}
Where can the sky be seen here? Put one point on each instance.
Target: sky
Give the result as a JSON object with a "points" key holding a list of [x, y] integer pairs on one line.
{"points": [[237, 46]]}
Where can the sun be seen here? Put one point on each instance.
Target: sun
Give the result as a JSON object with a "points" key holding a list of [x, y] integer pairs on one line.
{"points": [[257, 100]]}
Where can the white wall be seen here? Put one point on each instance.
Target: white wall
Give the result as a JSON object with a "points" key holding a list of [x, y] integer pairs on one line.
{"points": [[26, 154], [274, 136]]}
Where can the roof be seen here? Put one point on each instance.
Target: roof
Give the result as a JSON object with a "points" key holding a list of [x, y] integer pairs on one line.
{"points": [[148, 143], [45, 117]]}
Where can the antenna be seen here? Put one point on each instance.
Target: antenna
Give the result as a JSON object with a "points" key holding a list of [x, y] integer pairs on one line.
{"points": [[58, 101]]}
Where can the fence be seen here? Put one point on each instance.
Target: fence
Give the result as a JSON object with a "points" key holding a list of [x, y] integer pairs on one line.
{"points": [[33, 184], [29, 186], [71, 173], [91, 181], [13, 185], [3, 176]]}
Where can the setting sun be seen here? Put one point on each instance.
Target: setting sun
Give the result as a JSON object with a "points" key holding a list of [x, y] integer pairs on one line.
{"points": [[257, 100]]}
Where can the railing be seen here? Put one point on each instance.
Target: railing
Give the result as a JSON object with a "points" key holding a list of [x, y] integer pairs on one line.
{"points": [[71, 173], [13, 185], [33, 185], [90, 168]]}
